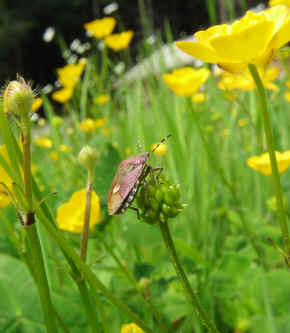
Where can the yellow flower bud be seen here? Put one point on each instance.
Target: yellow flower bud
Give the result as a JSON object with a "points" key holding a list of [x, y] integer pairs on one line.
{"points": [[88, 157], [18, 97]]}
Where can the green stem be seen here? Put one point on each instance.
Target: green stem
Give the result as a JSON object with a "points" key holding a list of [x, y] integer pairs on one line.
{"points": [[86, 228], [33, 239], [91, 315], [131, 278], [41, 279], [215, 164], [274, 167], [89, 276], [192, 297], [27, 164]]}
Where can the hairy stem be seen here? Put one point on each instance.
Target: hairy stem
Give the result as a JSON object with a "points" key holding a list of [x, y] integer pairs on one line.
{"points": [[192, 297]]}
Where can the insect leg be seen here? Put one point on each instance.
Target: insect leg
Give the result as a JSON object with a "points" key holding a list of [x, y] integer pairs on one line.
{"points": [[136, 210]]}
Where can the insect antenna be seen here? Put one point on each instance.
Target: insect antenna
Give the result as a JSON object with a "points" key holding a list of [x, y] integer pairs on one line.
{"points": [[158, 144]]}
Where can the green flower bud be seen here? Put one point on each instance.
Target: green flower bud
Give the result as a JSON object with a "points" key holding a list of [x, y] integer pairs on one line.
{"points": [[162, 217], [144, 283], [159, 194], [243, 325], [56, 121], [154, 204], [18, 97], [158, 200], [88, 157]]}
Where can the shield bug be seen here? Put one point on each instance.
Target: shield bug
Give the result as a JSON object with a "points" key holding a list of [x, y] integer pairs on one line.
{"points": [[130, 175]]}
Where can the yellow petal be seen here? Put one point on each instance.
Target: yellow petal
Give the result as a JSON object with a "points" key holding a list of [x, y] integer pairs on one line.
{"points": [[233, 67], [244, 45], [282, 36], [199, 51]]}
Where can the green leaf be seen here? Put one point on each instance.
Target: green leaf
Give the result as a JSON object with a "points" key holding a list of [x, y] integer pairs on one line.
{"points": [[20, 309]]}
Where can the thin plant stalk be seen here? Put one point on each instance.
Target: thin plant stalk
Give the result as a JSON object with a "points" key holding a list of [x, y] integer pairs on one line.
{"points": [[88, 275], [86, 228], [33, 239], [275, 173], [191, 295], [131, 278], [230, 187], [91, 315]]}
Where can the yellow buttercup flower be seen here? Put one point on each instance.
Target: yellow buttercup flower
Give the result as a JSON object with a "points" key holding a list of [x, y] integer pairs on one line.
{"points": [[279, 2], [102, 99], [63, 95], [88, 125], [43, 142], [106, 131], [287, 96], [160, 150], [4, 178], [131, 328], [288, 84], [198, 97], [100, 122], [253, 39], [243, 122], [262, 162], [101, 28], [119, 42], [186, 81], [244, 80], [70, 215], [70, 74], [37, 103], [128, 151], [63, 148], [53, 155]]}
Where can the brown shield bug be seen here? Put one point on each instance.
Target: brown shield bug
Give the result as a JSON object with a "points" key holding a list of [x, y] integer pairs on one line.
{"points": [[130, 175]]}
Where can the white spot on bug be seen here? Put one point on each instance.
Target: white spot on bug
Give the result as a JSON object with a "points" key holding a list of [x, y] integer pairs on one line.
{"points": [[116, 188]]}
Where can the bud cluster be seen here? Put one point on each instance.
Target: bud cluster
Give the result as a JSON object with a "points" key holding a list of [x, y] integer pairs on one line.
{"points": [[158, 200]]}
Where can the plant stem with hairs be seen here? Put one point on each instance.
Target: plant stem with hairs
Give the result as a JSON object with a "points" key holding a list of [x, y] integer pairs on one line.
{"points": [[32, 235], [275, 173], [86, 228], [190, 294]]}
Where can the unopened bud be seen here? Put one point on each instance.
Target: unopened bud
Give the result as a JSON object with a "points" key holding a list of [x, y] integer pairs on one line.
{"points": [[18, 97], [56, 121], [88, 157], [144, 283]]}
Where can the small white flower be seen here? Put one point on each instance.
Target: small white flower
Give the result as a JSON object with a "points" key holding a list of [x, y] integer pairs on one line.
{"points": [[47, 89], [34, 116], [151, 39], [57, 84], [81, 49], [87, 46], [75, 44], [89, 33], [119, 68], [48, 34], [101, 45], [111, 8], [72, 59]]}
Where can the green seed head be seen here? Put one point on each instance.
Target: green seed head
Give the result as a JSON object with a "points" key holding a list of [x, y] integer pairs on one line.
{"points": [[159, 200]]}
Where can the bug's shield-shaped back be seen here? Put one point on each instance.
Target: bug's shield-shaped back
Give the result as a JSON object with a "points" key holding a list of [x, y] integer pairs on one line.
{"points": [[128, 173]]}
